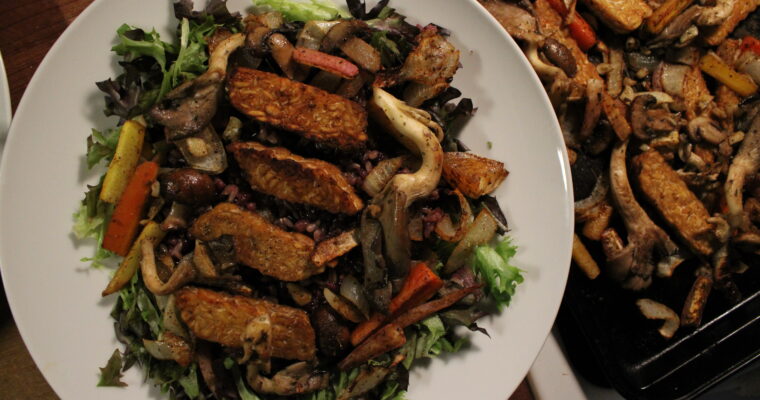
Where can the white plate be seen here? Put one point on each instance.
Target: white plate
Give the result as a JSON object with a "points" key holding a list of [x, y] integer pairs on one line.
{"points": [[5, 105], [56, 299]]}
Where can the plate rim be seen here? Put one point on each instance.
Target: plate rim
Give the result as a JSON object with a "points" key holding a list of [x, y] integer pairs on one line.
{"points": [[84, 16]]}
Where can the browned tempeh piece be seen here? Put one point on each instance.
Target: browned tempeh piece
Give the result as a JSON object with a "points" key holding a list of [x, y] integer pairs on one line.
{"points": [[280, 173], [222, 318], [317, 115], [742, 8], [694, 306], [620, 15], [680, 207], [258, 243]]}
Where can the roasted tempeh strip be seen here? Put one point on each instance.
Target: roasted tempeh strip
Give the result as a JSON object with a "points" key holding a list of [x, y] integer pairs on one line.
{"points": [[620, 15], [223, 318], [317, 115], [742, 8], [681, 208], [280, 173], [258, 243]]}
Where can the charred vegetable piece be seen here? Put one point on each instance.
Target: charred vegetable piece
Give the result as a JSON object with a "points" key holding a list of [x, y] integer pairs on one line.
{"points": [[223, 318], [475, 176], [654, 310], [481, 231], [583, 259], [126, 216], [317, 115], [278, 172], [330, 249], [258, 243], [388, 338], [151, 233], [124, 162]]}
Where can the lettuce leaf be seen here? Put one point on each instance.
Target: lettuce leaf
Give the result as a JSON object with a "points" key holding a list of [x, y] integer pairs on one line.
{"points": [[101, 146], [292, 10], [111, 375], [428, 340], [90, 222], [492, 266]]}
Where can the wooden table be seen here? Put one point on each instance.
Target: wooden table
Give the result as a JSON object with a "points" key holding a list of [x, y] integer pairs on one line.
{"points": [[27, 31]]}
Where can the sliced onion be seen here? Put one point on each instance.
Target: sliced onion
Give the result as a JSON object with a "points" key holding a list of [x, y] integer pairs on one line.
{"points": [[673, 77], [445, 228], [170, 319], [749, 63], [313, 32], [481, 231], [376, 180], [343, 306], [354, 292], [654, 310]]}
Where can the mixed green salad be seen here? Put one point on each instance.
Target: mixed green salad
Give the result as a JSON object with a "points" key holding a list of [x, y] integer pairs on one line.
{"points": [[211, 196]]}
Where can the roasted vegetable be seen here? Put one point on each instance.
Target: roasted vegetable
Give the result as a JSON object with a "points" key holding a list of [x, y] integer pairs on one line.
{"points": [[124, 162], [151, 233], [714, 66]]}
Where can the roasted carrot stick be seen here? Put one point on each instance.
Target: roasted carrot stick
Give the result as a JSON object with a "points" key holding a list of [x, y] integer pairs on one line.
{"points": [[423, 311], [420, 285], [579, 29], [386, 339], [335, 65], [125, 220]]}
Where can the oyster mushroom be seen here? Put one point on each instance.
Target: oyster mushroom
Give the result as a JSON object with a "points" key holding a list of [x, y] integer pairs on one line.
{"points": [[186, 111], [633, 264], [746, 163], [184, 273], [418, 133], [189, 107]]}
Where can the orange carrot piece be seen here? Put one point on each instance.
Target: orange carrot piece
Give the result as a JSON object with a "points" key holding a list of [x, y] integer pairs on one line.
{"points": [[750, 43], [420, 285], [326, 62], [579, 29], [125, 220], [388, 338], [425, 310], [582, 32]]}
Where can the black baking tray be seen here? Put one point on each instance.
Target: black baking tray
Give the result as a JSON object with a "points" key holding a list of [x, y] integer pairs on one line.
{"points": [[603, 331]]}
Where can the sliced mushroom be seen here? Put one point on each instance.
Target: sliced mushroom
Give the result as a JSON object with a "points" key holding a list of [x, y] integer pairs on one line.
{"points": [[646, 120], [257, 343], [559, 55], [297, 378], [654, 310], [632, 265], [704, 128]]}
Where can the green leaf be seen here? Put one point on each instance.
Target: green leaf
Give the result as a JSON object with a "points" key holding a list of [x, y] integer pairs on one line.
{"points": [[189, 382], [243, 391], [492, 266], [390, 54], [135, 43], [148, 312], [111, 375], [320, 10], [101, 146]]}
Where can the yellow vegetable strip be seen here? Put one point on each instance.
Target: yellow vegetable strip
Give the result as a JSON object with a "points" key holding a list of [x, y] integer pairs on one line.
{"points": [[151, 232], [128, 150]]}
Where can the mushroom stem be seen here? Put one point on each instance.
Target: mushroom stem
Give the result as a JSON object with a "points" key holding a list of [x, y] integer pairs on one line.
{"points": [[184, 273], [746, 163], [417, 132], [635, 262]]}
